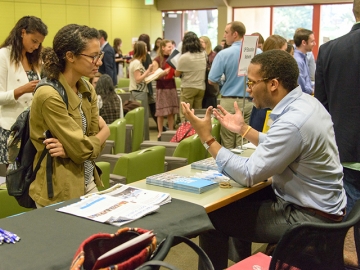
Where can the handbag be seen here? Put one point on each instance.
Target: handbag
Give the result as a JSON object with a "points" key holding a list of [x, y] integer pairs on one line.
{"points": [[89, 254], [164, 248], [185, 130]]}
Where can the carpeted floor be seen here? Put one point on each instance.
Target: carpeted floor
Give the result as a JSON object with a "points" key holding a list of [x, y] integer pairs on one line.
{"points": [[184, 258]]}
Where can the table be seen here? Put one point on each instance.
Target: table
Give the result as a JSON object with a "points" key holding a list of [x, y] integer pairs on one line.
{"points": [[213, 199], [49, 239]]}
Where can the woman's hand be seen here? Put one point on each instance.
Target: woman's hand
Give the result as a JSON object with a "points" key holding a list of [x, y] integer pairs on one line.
{"points": [[149, 70], [102, 123], [26, 88], [55, 148]]}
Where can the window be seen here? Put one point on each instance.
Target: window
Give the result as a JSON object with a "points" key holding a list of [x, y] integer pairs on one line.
{"points": [[335, 21], [255, 20], [202, 23], [288, 19]]}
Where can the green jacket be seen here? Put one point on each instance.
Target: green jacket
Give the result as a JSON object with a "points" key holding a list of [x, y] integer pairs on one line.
{"points": [[48, 112]]}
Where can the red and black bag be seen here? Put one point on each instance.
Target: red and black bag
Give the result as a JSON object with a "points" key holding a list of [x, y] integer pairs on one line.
{"points": [[185, 130]]}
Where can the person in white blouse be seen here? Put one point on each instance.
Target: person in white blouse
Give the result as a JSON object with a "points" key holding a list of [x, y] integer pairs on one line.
{"points": [[19, 73]]}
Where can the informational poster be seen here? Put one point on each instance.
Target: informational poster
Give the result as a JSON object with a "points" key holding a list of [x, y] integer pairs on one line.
{"points": [[247, 52]]}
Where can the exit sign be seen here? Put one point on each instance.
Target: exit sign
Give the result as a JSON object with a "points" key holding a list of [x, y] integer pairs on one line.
{"points": [[149, 2]]}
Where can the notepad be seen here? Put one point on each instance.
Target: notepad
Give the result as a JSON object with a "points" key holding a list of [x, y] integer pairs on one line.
{"points": [[154, 75], [124, 250]]}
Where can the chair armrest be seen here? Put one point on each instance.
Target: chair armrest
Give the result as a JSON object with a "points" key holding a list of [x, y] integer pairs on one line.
{"points": [[175, 162], [117, 179], [166, 136], [128, 139], [112, 159], [108, 149], [169, 146]]}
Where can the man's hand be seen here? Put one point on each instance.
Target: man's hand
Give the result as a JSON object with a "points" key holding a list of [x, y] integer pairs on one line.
{"points": [[202, 126], [232, 122]]}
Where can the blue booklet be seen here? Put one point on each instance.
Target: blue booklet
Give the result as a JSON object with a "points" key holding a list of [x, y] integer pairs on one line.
{"points": [[189, 184]]}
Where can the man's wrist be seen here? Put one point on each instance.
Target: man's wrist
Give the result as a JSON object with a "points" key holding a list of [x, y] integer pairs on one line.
{"points": [[243, 129]]}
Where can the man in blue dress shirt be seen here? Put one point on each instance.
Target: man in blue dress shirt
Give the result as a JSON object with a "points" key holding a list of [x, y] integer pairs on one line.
{"points": [[298, 152], [226, 62], [304, 41]]}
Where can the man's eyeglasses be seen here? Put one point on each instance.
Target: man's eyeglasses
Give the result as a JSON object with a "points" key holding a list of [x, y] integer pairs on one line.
{"points": [[250, 84], [95, 58]]}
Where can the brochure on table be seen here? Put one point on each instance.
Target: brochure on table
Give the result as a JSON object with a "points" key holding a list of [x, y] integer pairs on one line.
{"points": [[199, 183], [117, 205]]}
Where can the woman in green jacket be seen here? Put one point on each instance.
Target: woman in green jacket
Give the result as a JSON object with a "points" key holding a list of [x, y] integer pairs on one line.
{"points": [[78, 132]]}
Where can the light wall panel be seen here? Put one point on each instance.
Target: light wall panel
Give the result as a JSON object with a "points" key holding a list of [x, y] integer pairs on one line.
{"points": [[22, 10], [78, 15], [54, 16], [7, 19]]}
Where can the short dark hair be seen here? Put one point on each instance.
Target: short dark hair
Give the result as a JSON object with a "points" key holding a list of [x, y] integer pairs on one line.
{"points": [[30, 24], [356, 9], [238, 27], [300, 35], [278, 64], [191, 43], [289, 47], [71, 38], [103, 34]]}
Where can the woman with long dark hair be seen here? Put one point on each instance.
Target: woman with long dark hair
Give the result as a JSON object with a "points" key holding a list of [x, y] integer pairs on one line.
{"points": [[191, 67], [78, 132], [118, 57], [154, 52], [110, 106], [19, 73]]}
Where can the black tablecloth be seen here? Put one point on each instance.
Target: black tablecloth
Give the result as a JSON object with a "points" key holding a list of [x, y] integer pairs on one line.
{"points": [[49, 238]]}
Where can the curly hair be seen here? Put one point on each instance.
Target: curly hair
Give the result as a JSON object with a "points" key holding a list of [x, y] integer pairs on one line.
{"points": [[105, 88], [191, 43], [274, 42], [278, 64], [71, 38], [31, 25]]}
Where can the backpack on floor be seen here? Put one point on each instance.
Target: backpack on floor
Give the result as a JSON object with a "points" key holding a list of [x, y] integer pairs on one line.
{"points": [[20, 173], [185, 130]]}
